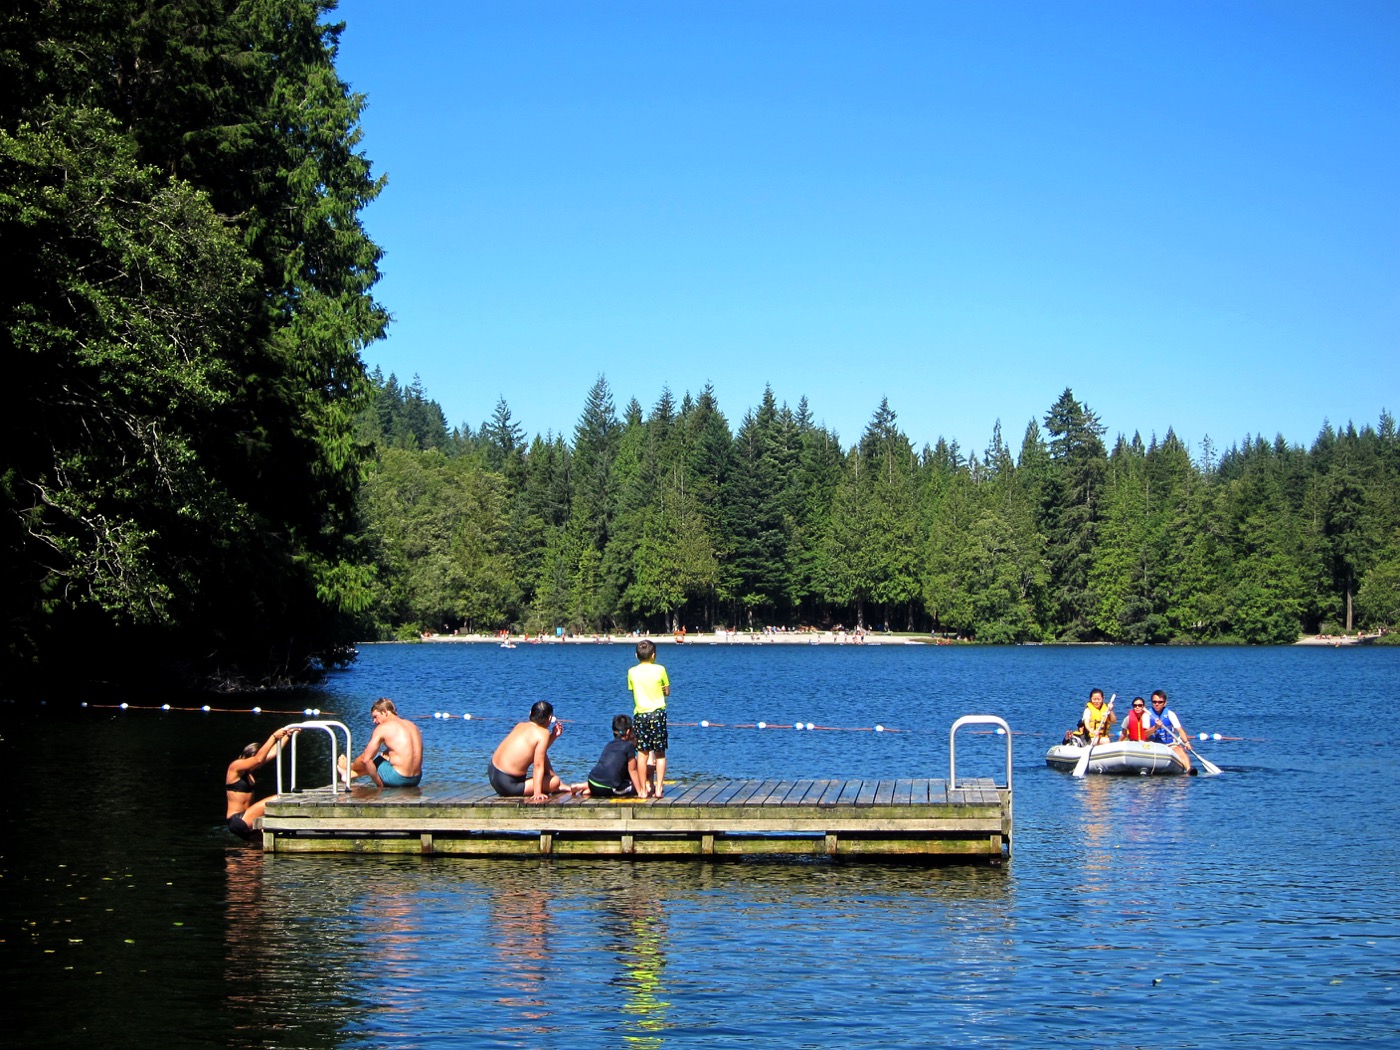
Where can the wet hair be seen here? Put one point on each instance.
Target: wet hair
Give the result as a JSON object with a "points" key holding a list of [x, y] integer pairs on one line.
{"points": [[622, 725], [646, 649], [385, 705], [251, 750], [541, 713], [1159, 692]]}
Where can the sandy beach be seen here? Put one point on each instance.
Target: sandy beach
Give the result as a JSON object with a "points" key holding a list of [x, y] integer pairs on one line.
{"points": [[698, 638]]}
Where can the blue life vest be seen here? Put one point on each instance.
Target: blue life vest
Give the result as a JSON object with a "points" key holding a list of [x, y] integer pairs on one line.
{"points": [[1159, 726]]}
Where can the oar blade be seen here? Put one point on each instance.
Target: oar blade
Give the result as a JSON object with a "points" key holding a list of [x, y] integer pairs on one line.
{"points": [[1082, 766]]}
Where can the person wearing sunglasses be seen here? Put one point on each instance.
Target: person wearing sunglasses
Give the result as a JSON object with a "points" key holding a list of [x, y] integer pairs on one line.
{"points": [[1163, 727], [1133, 728]]}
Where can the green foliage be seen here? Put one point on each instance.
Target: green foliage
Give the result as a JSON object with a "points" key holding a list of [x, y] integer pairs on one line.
{"points": [[179, 194], [689, 524]]}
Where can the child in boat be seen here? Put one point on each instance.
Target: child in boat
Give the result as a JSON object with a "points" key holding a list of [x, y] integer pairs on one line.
{"points": [[616, 775]]}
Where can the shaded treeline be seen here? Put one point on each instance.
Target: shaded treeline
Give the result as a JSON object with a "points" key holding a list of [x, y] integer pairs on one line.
{"points": [[666, 517], [187, 294]]}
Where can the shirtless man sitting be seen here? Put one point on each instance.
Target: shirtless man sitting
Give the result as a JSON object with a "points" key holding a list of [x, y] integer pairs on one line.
{"points": [[525, 749], [401, 762]]}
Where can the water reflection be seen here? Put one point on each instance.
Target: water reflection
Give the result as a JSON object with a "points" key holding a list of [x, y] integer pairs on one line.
{"points": [[520, 936], [635, 923]]}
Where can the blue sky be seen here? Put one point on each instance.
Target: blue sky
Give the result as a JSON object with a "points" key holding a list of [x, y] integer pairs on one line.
{"points": [[1188, 213]]}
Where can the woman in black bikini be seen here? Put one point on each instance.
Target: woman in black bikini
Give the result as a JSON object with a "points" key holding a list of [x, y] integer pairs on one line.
{"points": [[243, 812]]}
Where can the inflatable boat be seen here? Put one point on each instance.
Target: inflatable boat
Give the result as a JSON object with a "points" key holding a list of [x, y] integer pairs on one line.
{"points": [[1118, 757]]}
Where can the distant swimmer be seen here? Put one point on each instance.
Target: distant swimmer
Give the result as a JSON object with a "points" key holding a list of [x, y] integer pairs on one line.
{"points": [[400, 763]]}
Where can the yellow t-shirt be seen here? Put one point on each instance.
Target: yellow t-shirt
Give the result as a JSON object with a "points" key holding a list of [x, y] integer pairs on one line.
{"points": [[648, 683]]}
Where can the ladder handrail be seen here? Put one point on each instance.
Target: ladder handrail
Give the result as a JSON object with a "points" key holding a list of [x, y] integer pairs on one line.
{"points": [[952, 750], [329, 728]]}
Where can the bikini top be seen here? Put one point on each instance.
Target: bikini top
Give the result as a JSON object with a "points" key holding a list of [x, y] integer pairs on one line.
{"points": [[244, 784]]}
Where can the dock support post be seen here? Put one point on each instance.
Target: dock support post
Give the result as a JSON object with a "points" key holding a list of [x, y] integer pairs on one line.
{"points": [[707, 845], [546, 842], [425, 842], [628, 844], [830, 844]]}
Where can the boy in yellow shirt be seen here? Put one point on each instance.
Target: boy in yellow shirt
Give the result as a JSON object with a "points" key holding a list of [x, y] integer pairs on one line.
{"points": [[650, 687]]}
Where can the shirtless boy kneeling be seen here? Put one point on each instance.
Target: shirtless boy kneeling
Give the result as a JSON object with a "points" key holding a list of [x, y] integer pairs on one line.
{"points": [[525, 751]]}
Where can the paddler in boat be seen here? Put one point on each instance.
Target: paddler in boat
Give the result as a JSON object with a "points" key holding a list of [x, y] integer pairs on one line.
{"points": [[1093, 723], [1163, 727]]}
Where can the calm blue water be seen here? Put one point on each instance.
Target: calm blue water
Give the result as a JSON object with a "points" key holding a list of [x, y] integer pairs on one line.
{"points": [[1242, 910]]}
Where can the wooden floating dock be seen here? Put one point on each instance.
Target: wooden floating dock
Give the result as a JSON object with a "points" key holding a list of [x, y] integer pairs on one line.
{"points": [[727, 818]]}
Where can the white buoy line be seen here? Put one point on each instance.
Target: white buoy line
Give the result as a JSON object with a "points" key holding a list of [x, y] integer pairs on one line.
{"points": [[704, 723]]}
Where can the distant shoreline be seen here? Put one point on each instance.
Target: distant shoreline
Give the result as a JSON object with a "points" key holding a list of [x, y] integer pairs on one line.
{"points": [[695, 638], [1337, 640], [781, 638]]}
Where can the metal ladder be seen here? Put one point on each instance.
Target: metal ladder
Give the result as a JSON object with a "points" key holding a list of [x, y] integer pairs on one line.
{"points": [[1004, 791], [329, 728]]}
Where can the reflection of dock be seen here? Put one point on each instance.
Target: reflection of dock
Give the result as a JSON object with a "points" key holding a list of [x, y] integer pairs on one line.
{"points": [[836, 818]]}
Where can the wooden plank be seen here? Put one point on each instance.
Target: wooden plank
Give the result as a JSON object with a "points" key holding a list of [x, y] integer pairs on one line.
{"points": [[850, 793], [831, 793], [867, 792], [747, 790], [884, 794], [780, 792], [689, 795], [708, 793], [810, 791], [728, 792]]}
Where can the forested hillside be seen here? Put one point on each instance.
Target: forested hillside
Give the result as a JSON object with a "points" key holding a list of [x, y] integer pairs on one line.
{"points": [[186, 297], [669, 516]]}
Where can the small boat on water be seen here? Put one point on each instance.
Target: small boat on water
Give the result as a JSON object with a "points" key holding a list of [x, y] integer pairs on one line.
{"points": [[1118, 757]]}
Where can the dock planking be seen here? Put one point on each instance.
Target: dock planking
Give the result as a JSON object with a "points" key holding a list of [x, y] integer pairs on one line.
{"points": [[730, 818]]}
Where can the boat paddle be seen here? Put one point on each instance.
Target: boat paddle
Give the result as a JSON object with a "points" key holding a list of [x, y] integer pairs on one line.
{"points": [[1212, 770], [1082, 766]]}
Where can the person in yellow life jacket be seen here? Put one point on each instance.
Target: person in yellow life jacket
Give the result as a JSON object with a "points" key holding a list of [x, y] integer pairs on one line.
{"points": [[1094, 722]]}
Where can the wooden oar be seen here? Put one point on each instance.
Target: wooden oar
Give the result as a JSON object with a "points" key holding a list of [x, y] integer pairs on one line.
{"points": [[1212, 770], [1082, 766]]}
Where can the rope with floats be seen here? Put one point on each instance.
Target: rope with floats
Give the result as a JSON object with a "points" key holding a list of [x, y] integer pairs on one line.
{"points": [[704, 723]]}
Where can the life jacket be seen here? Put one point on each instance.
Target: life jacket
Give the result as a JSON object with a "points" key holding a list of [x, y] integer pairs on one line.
{"points": [[1159, 726]]}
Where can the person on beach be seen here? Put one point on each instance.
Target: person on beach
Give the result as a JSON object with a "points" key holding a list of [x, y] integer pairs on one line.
{"points": [[1133, 727], [650, 687], [616, 775], [241, 812], [400, 763], [1163, 727], [1093, 723], [521, 760]]}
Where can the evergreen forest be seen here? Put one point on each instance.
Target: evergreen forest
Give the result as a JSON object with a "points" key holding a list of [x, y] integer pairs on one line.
{"points": [[187, 295], [669, 517]]}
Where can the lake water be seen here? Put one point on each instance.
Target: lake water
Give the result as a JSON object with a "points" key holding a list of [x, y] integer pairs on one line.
{"points": [[1243, 910]]}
